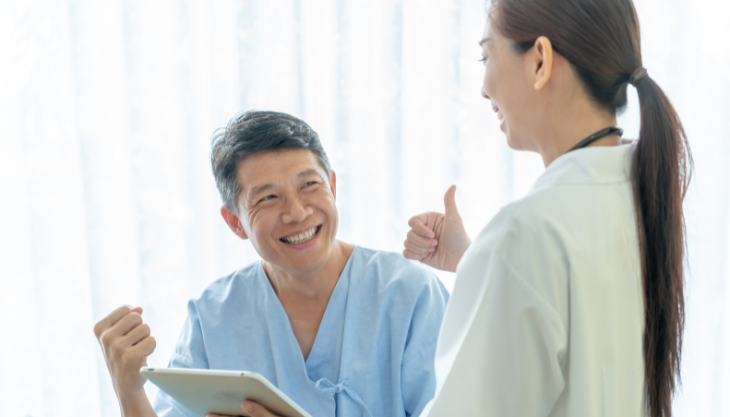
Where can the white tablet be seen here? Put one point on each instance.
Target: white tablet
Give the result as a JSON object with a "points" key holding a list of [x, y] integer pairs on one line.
{"points": [[205, 391]]}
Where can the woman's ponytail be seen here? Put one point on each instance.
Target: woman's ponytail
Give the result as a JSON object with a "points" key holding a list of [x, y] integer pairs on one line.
{"points": [[661, 171], [601, 40]]}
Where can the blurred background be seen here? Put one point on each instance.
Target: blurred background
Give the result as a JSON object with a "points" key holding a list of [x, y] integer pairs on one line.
{"points": [[106, 112]]}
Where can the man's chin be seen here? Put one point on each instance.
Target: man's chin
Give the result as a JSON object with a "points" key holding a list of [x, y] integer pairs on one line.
{"points": [[302, 262], [307, 265]]}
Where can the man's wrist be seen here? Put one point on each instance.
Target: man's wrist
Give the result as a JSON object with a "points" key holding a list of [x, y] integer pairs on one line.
{"points": [[135, 404]]}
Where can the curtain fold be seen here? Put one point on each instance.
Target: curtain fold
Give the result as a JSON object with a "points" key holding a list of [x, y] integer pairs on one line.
{"points": [[106, 112]]}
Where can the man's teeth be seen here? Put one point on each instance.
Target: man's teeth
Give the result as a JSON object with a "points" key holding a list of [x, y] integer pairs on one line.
{"points": [[303, 237]]}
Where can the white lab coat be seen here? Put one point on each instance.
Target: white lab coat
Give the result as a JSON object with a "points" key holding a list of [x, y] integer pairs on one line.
{"points": [[547, 317]]}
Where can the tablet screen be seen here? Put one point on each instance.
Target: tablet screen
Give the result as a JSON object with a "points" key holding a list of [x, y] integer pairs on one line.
{"points": [[205, 391]]}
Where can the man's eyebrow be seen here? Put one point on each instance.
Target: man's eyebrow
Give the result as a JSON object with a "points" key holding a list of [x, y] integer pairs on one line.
{"points": [[261, 188], [308, 172], [481, 42]]}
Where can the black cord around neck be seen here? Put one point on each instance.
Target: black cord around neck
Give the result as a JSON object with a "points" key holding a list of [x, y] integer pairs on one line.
{"points": [[594, 137]]}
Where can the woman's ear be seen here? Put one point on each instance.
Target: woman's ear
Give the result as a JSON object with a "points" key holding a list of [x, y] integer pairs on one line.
{"points": [[543, 61], [233, 222]]}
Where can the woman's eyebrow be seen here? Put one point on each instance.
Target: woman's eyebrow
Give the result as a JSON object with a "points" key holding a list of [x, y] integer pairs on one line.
{"points": [[481, 42]]}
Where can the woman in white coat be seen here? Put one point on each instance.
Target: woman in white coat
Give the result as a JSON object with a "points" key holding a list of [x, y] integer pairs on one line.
{"points": [[570, 301]]}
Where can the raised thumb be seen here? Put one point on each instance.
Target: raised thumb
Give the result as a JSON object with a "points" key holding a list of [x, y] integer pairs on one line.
{"points": [[450, 202]]}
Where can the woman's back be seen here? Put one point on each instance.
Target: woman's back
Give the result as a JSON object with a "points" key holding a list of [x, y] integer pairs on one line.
{"points": [[548, 302]]}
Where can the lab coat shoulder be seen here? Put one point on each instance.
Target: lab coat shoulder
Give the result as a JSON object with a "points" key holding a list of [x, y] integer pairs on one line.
{"points": [[513, 331], [529, 242]]}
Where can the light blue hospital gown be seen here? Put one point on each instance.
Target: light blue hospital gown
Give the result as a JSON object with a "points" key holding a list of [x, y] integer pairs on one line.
{"points": [[373, 355]]}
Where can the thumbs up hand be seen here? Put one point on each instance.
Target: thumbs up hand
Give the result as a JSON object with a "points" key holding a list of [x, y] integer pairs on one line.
{"points": [[438, 239]]}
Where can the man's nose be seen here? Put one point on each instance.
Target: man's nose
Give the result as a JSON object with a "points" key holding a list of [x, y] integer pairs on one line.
{"points": [[295, 211]]}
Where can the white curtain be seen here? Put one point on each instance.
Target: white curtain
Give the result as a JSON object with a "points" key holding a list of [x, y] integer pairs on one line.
{"points": [[107, 107]]}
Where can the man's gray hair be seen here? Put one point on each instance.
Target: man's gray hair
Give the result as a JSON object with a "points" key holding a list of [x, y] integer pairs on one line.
{"points": [[256, 131]]}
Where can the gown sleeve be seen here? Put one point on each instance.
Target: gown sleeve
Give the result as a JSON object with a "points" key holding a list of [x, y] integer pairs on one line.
{"points": [[508, 359], [418, 381], [189, 353]]}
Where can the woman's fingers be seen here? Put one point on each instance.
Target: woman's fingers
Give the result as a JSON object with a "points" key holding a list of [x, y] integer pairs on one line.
{"points": [[421, 241], [256, 410], [414, 241], [412, 255], [414, 252], [419, 224], [417, 247]]}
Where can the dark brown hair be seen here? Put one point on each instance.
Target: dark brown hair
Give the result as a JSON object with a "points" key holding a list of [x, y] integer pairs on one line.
{"points": [[256, 131], [600, 38]]}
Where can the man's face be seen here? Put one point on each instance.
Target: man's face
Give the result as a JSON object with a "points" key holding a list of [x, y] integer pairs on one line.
{"points": [[287, 208]]}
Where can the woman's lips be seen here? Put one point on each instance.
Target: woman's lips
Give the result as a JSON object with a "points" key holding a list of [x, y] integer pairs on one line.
{"points": [[496, 110]]}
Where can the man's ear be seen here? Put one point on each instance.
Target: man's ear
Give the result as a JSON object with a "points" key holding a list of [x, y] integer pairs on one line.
{"points": [[543, 61], [233, 222], [333, 184]]}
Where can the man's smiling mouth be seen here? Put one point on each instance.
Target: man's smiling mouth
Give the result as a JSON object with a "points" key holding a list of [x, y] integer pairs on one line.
{"points": [[302, 237]]}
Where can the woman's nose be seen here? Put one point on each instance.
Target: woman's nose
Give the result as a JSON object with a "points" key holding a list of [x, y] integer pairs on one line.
{"points": [[484, 94]]}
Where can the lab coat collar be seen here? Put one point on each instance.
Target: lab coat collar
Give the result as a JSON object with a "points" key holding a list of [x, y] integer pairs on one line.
{"points": [[595, 165]]}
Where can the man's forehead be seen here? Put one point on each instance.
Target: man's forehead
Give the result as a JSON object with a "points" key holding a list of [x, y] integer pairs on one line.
{"points": [[272, 167]]}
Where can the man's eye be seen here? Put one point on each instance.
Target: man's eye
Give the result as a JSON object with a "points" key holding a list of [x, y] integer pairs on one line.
{"points": [[268, 197], [308, 183]]}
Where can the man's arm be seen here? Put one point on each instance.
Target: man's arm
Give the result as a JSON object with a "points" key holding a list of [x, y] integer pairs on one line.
{"points": [[126, 342]]}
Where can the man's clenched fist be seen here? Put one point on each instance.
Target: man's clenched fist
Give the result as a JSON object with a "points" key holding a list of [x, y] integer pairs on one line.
{"points": [[125, 342]]}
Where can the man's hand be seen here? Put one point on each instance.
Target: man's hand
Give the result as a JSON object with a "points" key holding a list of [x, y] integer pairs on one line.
{"points": [[125, 342], [251, 408], [438, 239]]}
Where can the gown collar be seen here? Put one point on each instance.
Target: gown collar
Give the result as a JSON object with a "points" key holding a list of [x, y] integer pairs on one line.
{"points": [[328, 342]]}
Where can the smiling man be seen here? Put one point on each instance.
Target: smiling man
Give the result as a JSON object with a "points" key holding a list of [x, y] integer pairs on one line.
{"points": [[342, 330]]}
